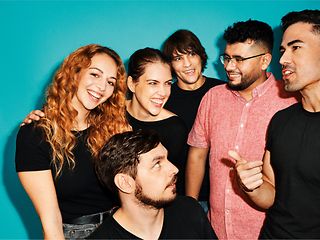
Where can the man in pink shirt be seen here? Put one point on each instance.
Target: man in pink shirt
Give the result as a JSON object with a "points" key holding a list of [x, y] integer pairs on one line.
{"points": [[235, 116]]}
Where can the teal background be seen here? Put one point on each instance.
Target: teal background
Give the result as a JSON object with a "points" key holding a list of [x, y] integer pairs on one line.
{"points": [[37, 35]]}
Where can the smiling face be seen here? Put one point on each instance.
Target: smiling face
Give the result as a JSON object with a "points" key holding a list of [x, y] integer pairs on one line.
{"points": [[151, 90], [156, 179], [188, 69], [95, 83], [248, 74], [300, 60]]}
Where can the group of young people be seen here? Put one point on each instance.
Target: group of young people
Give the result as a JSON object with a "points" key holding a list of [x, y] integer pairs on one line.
{"points": [[109, 153]]}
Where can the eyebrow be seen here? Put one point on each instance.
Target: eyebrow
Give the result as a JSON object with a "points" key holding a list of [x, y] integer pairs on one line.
{"points": [[157, 158], [95, 68], [291, 43], [98, 69]]}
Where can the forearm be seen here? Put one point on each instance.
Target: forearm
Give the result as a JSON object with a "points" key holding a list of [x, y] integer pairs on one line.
{"points": [[263, 196], [195, 170], [52, 225]]}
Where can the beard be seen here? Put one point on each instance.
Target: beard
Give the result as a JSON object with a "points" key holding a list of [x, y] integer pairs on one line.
{"points": [[246, 81], [152, 202]]}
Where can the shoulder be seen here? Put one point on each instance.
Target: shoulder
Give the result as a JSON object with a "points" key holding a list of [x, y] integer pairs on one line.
{"points": [[213, 81], [30, 133], [286, 112], [284, 115], [185, 205]]}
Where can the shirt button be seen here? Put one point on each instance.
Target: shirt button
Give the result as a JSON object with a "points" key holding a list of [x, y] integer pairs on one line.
{"points": [[241, 125], [237, 147], [228, 191], [247, 104], [227, 211]]}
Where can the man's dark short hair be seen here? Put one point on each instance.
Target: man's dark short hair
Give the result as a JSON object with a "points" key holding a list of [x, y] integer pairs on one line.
{"points": [[121, 155], [305, 16], [255, 30], [184, 41]]}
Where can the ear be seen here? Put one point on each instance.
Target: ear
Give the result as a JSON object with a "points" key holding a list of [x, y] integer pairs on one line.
{"points": [[266, 60], [124, 182], [131, 85]]}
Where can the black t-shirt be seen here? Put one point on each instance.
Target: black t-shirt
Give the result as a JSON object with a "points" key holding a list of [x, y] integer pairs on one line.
{"points": [[185, 104], [294, 144], [173, 135], [78, 190], [183, 219]]}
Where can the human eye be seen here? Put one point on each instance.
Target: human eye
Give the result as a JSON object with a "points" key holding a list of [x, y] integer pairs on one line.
{"points": [[95, 75], [111, 82], [176, 58], [226, 58], [238, 59], [152, 83], [295, 47], [157, 165], [169, 82]]}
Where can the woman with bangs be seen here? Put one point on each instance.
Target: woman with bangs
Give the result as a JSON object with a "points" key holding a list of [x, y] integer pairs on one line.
{"points": [[85, 106]]}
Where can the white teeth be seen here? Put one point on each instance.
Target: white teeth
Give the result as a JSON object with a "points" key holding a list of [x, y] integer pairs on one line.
{"points": [[157, 101], [287, 72], [189, 71], [94, 94]]}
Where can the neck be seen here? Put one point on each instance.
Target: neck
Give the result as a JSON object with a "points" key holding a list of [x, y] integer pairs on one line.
{"points": [[311, 97], [80, 123], [141, 221], [191, 87], [247, 93]]}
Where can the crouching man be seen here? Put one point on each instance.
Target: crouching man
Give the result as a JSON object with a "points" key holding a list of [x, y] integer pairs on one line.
{"points": [[135, 167]]}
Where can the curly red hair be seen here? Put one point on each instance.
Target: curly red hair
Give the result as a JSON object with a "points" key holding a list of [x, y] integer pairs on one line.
{"points": [[105, 120]]}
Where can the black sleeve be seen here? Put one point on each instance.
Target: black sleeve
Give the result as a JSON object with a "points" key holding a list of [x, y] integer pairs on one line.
{"points": [[206, 230], [32, 151]]}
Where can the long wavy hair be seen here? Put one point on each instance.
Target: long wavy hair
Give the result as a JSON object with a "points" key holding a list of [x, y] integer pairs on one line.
{"points": [[105, 120]]}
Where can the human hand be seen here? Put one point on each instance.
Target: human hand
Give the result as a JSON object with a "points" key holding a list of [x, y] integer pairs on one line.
{"points": [[34, 115], [249, 174]]}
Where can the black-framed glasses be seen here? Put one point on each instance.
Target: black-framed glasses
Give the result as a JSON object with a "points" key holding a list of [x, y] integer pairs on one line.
{"points": [[225, 59]]}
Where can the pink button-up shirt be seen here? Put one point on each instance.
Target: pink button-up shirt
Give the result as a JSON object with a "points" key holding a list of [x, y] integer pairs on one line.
{"points": [[226, 121]]}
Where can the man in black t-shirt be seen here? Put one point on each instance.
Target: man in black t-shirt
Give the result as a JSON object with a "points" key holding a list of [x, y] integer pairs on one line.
{"points": [[188, 60], [288, 184], [135, 167]]}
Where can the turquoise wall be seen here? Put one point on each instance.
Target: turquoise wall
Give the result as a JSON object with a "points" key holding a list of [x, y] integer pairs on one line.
{"points": [[37, 35]]}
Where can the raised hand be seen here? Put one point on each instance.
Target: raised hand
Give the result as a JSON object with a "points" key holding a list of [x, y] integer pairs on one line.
{"points": [[249, 173]]}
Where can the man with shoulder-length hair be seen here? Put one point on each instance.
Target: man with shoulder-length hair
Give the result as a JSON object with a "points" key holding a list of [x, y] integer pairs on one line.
{"points": [[188, 60], [288, 185], [235, 116], [134, 165]]}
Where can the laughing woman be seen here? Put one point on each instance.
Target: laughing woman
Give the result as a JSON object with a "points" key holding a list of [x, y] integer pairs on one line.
{"points": [[149, 82], [85, 106]]}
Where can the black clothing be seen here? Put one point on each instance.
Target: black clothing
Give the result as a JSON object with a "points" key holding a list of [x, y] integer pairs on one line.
{"points": [[183, 219], [185, 104], [78, 190], [173, 135], [294, 145]]}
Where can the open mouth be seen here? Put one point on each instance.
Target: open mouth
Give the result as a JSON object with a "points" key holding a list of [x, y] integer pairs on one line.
{"points": [[94, 95]]}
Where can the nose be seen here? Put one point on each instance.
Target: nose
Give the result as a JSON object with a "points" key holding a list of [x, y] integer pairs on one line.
{"points": [[102, 84], [164, 89], [186, 61], [285, 58], [173, 170]]}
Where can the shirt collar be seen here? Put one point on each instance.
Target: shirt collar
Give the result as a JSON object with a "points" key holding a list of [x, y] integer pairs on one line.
{"points": [[261, 89]]}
